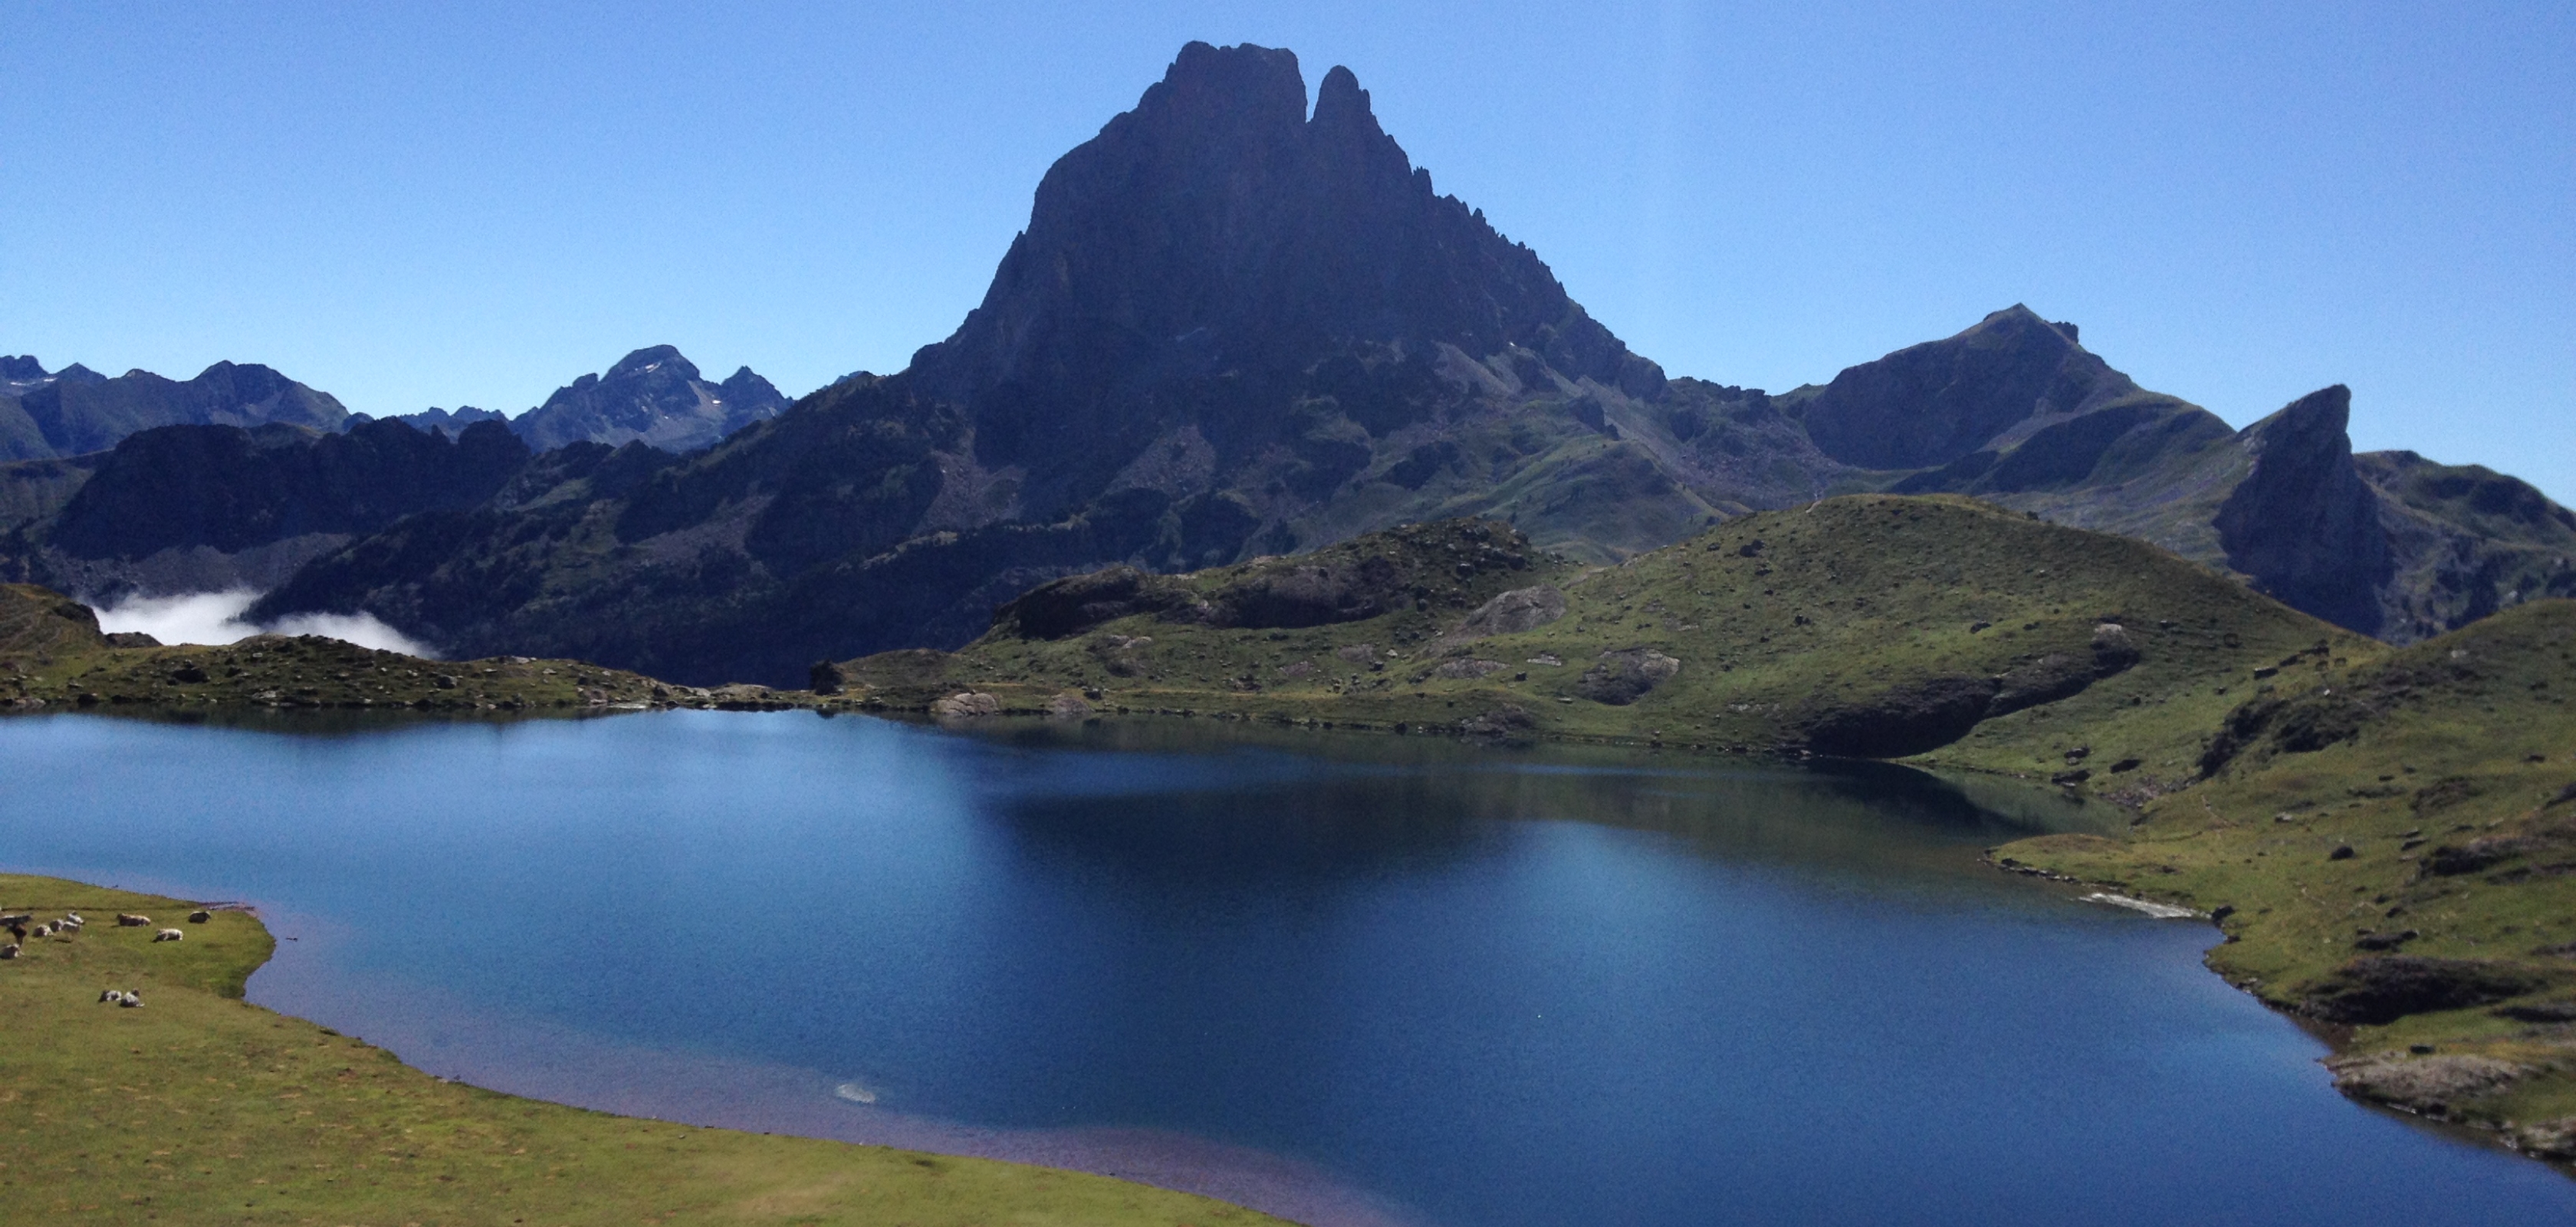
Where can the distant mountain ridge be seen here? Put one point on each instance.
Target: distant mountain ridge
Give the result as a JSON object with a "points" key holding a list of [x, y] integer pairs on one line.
{"points": [[76, 411], [654, 396]]}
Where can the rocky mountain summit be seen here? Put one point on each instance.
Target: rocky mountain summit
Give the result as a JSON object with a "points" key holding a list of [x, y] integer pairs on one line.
{"points": [[653, 396]]}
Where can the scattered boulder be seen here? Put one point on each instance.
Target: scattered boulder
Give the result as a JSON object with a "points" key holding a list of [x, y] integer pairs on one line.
{"points": [[2114, 649], [742, 696], [1468, 670], [1625, 675], [2382, 988], [131, 639], [966, 705], [1121, 655], [1509, 613], [1068, 706], [2552, 1139], [1358, 653]]}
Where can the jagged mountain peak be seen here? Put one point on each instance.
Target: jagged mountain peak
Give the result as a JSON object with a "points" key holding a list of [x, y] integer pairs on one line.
{"points": [[1192, 265], [2316, 420]]}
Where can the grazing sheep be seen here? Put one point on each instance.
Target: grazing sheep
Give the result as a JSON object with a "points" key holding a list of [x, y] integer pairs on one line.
{"points": [[129, 1000], [200, 916], [170, 935], [9, 951], [128, 920], [110, 994], [19, 919], [75, 918], [43, 930]]}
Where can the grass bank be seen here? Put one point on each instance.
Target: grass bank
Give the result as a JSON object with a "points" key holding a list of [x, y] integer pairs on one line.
{"points": [[198, 1107]]}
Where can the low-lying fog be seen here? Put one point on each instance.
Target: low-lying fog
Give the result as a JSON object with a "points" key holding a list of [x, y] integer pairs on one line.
{"points": [[216, 617]]}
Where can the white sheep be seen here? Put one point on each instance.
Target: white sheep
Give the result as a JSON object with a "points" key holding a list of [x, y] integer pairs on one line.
{"points": [[43, 930], [9, 951], [128, 920], [111, 994], [128, 1000], [169, 935]]}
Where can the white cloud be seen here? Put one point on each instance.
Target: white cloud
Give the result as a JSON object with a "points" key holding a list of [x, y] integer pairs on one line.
{"points": [[216, 617]]}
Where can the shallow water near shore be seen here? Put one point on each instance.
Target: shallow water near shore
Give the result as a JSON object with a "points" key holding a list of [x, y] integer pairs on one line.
{"points": [[1353, 980]]}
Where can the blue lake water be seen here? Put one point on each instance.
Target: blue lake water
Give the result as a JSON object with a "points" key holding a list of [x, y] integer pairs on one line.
{"points": [[1357, 980]]}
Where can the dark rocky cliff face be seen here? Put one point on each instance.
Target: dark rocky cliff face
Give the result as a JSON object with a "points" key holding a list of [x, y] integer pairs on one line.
{"points": [[187, 508], [2304, 524], [1216, 259], [1937, 402], [229, 489]]}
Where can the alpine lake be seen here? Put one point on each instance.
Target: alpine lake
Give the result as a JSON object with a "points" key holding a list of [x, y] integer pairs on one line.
{"points": [[1349, 979]]}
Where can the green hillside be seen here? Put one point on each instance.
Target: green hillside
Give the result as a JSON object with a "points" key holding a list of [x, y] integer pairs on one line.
{"points": [[1869, 625], [2394, 850]]}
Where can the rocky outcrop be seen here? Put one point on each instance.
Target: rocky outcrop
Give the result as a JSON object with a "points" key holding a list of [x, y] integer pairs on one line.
{"points": [[1624, 675], [2304, 525], [2379, 989], [1509, 613], [1077, 603], [1901, 720]]}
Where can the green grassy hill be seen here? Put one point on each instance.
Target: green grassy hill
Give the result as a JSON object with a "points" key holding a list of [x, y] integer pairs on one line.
{"points": [[198, 1107], [1871, 625]]}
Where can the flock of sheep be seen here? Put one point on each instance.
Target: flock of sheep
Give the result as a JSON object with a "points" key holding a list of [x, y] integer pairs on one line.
{"points": [[20, 932]]}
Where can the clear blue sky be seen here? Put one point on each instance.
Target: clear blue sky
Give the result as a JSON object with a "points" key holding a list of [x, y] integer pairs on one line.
{"points": [[417, 204]]}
